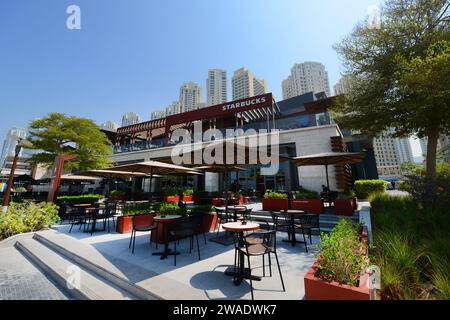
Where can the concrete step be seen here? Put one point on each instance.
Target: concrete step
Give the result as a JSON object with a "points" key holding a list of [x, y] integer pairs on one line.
{"points": [[143, 283], [60, 269]]}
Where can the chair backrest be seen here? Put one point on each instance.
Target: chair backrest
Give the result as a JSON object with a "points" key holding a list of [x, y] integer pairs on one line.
{"points": [[183, 227], [310, 219], [142, 221], [277, 216]]}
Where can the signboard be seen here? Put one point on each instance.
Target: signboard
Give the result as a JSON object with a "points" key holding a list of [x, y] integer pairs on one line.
{"points": [[220, 110]]}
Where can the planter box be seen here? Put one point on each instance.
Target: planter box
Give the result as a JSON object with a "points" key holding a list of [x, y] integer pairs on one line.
{"points": [[272, 204], [187, 198], [209, 222], [318, 289], [308, 205], [125, 223], [217, 202], [343, 207], [243, 200], [117, 198], [175, 199]]}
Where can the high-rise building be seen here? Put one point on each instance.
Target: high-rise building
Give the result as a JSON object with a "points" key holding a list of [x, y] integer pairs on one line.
{"points": [[131, 118], [173, 108], [216, 87], [391, 153], [442, 149], [158, 114], [306, 77], [343, 85], [10, 143], [109, 125], [190, 96], [245, 84]]}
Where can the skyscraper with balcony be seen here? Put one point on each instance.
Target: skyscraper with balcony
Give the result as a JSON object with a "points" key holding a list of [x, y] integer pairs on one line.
{"points": [[343, 85], [245, 84], [131, 118], [216, 87], [306, 77], [190, 97]]}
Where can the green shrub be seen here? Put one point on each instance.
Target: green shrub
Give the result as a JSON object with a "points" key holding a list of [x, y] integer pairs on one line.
{"points": [[89, 199], [170, 191], [138, 208], [275, 195], [340, 258], [203, 209], [346, 195], [27, 217], [364, 188], [188, 192], [117, 193], [307, 194], [169, 208]]}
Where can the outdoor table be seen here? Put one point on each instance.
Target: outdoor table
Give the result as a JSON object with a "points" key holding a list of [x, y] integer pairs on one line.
{"points": [[239, 228], [292, 214], [166, 220], [95, 216], [235, 210]]}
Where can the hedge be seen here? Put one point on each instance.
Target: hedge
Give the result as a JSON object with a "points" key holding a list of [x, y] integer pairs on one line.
{"points": [[364, 188], [88, 199]]}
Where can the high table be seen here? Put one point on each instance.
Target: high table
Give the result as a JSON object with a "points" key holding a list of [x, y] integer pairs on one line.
{"points": [[239, 228], [293, 240], [166, 220]]}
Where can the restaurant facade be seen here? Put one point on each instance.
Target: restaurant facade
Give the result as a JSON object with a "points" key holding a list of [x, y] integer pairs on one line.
{"points": [[303, 125]]}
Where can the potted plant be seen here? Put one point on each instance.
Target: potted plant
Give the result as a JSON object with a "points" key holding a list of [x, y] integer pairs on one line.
{"points": [[117, 195], [125, 221], [309, 201], [339, 272], [171, 195], [188, 194], [344, 204], [209, 216], [275, 201]]}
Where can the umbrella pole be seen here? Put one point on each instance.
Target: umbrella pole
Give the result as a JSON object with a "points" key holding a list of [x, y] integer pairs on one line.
{"points": [[328, 180], [150, 190], [226, 187]]}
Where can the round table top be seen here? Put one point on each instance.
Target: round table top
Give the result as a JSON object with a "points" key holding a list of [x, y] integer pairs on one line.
{"points": [[83, 205], [294, 212], [239, 227], [166, 218], [233, 207]]}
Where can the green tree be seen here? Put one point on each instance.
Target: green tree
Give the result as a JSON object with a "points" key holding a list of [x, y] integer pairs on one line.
{"points": [[58, 134], [400, 73]]}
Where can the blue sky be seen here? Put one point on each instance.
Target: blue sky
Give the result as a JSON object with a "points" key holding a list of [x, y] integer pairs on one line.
{"points": [[134, 55]]}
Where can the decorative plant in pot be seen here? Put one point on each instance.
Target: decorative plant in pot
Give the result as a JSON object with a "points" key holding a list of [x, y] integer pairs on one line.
{"points": [[344, 204], [188, 194], [339, 272], [117, 195], [125, 221], [309, 201], [275, 201], [171, 194], [209, 216]]}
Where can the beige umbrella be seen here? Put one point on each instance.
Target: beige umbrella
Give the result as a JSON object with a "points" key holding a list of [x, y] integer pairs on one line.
{"points": [[152, 168], [329, 158], [74, 177]]}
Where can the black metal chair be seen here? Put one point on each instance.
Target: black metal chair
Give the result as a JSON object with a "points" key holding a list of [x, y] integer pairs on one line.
{"points": [[109, 212], [79, 217], [222, 217], [182, 229], [141, 224], [281, 222], [267, 246], [308, 222]]}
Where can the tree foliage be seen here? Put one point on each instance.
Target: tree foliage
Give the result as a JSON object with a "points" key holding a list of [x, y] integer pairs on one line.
{"points": [[400, 72], [58, 134]]}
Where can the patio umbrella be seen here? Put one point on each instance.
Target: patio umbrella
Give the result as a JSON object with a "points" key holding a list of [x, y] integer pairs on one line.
{"points": [[242, 156], [74, 177], [152, 168], [329, 158]]}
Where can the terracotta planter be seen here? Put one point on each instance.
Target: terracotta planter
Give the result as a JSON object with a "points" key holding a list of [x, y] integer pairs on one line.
{"points": [[308, 205], [272, 204], [209, 222], [243, 200], [187, 198], [217, 202], [318, 289], [175, 199], [355, 203], [117, 198], [125, 223], [343, 207]]}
